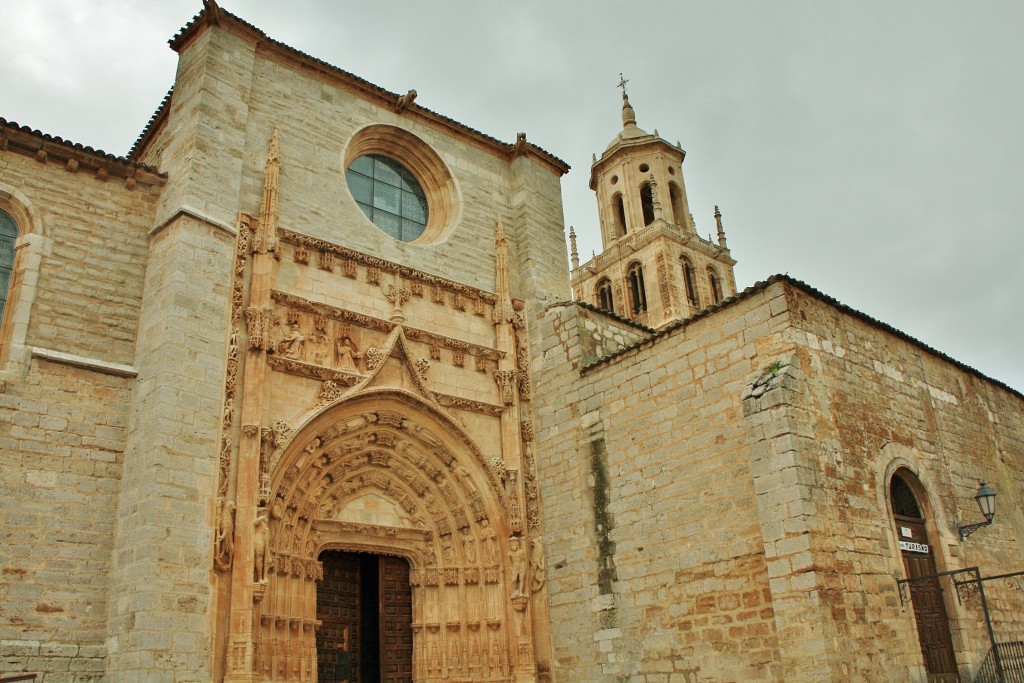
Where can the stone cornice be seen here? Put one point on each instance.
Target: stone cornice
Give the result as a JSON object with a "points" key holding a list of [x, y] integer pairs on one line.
{"points": [[614, 152], [639, 239], [197, 215], [102, 366]]}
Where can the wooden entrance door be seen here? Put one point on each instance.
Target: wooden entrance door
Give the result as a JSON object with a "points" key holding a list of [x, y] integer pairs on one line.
{"points": [[926, 596], [395, 621], [368, 596]]}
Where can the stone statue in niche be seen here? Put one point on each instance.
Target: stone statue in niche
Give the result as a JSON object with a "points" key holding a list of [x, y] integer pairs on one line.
{"points": [[225, 548], [319, 346], [469, 550], [517, 555], [490, 542], [261, 547], [537, 570], [346, 354], [291, 345]]}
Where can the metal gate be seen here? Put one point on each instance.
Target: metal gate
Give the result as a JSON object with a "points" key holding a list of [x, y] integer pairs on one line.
{"points": [[999, 602]]}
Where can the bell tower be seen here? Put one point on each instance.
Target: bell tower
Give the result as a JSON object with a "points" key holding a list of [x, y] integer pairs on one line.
{"points": [[653, 268]]}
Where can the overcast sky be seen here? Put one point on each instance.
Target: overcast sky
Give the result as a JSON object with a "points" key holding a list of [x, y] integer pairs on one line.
{"points": [[874, 150]]}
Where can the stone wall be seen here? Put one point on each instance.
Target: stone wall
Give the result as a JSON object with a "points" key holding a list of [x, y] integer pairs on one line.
{"points": [[64, 397], [61, 451], [655, 548], [875, 401], [716, 497], [93, 234]]}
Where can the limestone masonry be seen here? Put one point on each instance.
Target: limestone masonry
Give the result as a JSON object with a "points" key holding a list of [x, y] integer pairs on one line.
{"points": [[312, 386]]}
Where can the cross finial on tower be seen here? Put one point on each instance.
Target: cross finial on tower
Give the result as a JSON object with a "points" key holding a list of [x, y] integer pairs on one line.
{"points": [[628, 115]]}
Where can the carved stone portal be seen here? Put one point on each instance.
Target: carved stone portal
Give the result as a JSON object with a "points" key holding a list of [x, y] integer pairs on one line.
{"points": [[395, 477]]}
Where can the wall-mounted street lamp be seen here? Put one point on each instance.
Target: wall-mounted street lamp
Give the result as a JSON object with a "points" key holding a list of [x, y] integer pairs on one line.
{"points": [[986, 498]]}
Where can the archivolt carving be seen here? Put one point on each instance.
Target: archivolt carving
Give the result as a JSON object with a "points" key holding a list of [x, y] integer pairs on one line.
{"points": [[385, 472]]}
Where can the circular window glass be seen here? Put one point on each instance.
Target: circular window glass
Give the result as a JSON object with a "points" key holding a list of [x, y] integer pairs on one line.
{"points": [[389, 195]]}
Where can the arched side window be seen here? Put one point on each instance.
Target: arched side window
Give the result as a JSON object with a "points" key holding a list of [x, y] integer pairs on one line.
{"points": [[619, 214], [604, 295], [716, 285], [638, 295], [8, 235], [675, 194], [647, 203], [689, 282]]}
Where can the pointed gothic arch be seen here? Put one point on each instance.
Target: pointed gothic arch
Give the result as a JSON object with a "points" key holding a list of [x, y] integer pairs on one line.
{"points": [[384, 471]]}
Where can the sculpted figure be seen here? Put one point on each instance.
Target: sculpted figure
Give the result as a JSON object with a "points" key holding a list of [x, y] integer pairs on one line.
{"points": [[291, 345], [319, 346], [490, 543], [346, 354], [517, 554], [261, 547], [469, 550], [537, 571], [225, 548]]}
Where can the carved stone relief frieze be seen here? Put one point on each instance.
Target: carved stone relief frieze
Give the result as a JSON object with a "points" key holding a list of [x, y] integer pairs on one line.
{"points": [[397, 295], [421, 366], [470, 405], [258, 322], [375, 358], [329, 392], [506, 380], [325, 261], [302, 369]]}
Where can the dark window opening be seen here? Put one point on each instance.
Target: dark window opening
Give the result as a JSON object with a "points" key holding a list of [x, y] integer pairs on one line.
{"points": [[604, 295], [691, 290], [620, 216], [716, 286], [647, 203], [903, 500], [636, 288], [676, 195]]}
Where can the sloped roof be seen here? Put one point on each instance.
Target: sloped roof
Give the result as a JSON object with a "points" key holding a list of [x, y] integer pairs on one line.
{"points": [[811, 291], [31, 140]]}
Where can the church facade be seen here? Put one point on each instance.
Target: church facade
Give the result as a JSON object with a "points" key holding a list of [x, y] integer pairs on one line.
{"points": [[309, 387]]}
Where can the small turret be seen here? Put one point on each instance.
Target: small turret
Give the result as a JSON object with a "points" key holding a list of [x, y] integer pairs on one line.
{"points": [[572, 249], [721, 230]]}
